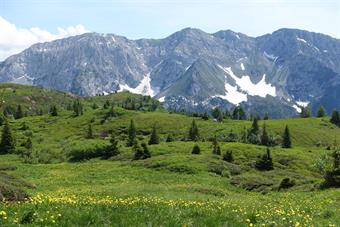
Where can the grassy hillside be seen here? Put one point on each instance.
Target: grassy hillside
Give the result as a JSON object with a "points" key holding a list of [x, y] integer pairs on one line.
{"points": [[173, 187]]}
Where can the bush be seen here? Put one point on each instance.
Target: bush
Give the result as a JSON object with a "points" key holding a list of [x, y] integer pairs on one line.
{"points": [[228, 156], [286, 183], [196, 149], [264, 162], [86, 151]]}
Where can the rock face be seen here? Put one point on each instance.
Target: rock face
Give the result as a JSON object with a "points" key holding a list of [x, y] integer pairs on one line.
{"points": [[193, 70]]}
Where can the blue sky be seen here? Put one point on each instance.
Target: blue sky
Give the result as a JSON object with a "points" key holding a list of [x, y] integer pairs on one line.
{"points": [[157, 18]]}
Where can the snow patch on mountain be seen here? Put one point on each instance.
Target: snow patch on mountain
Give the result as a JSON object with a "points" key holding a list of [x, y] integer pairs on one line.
{"points": [[161, 99], [302, 103], [270, 56], [262, 88], [301, 40], [298, 109], [242, 67], [232, 95], [143, 88]]}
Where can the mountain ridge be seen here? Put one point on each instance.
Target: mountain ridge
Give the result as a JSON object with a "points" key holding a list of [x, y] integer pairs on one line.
{"points": [[231, 68]]}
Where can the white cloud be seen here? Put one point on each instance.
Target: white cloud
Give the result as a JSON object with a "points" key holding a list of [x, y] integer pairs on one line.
{"points": [[14, 40]]}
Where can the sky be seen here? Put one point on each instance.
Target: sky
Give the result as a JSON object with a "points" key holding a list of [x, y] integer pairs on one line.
{"points": [[25, 22]]}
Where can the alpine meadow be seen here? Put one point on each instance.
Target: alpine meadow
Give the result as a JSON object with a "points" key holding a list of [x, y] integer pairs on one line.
{"points": [[150, 113]]}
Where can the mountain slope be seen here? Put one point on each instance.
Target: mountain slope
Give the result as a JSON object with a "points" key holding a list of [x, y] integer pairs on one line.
{"points": [[191, 69]]}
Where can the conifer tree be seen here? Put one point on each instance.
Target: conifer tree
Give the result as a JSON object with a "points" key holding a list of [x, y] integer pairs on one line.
{"points": [[216, 146], [215, 113], [266, 116], [196, 149], [254, 127], [138, 151], [7, 143], [19, 113], [205, 116], [193, 131], [220, 117], [335, 119], [154, 138], [286, 142], [265, 162], [264, 136], [77, 108], [112, 149], [131, 134], [321, 112], [146, 152], [54, 111], [305, 112]]}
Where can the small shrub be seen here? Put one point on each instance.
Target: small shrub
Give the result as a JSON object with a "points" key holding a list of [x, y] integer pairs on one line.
{"points": [[196, 149], [286, 183], [228, 156]]}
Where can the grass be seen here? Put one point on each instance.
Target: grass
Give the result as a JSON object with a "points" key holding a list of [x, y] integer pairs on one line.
{"points": [[173, 187]]}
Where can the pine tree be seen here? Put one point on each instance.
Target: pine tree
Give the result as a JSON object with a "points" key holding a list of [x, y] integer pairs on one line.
{"points": [[265, 162], [54, 111], [131, 134], [112, 149], [305, 112], [216, 112], [286, 143], [138, 151], [332, 177], [196, 149], [228, 156], [19, 113], [216, 146], [253, 134], [254, 127], [7, 143], [146, 152], [264, 136], [193, 131], [154, 138], [244, 135], [335, 119], [77, 108], [321, 112], [220, 117], [89, 133]]}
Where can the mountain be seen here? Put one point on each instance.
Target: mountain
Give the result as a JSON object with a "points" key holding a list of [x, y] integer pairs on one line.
{"points": [[276, 73]]}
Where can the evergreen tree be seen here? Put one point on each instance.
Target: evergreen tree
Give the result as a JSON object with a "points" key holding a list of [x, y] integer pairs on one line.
{"points": [[146, 152], [112, 149], [321, 112], [244, 135], [54, 111], [169, 138], [228, 156], [138, 151], [193, 131], [216, 146], [265, 162], [154, 138], [196, 149], [253, 134], [7, 143], [77, 108], [220, 117], [335, 119], [106, 104], [131, 134], [305, 112], [216, 113], [19, 113], [227, 114], [264, 136], [94, 106], [89, 133], [286, 142]]}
